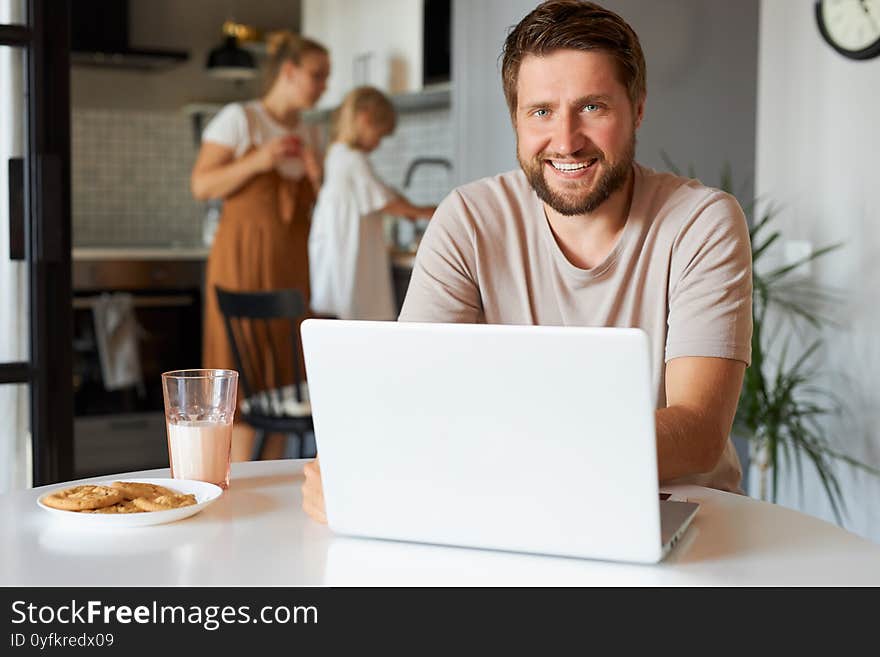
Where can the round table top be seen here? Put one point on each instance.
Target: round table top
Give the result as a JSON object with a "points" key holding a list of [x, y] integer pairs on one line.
{"points": [[256, 534]]}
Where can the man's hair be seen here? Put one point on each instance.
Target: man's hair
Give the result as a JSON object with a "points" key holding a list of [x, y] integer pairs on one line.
{"points": [[573, 25]]}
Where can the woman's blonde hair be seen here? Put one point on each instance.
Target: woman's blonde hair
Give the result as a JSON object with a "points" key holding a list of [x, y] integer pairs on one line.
{"points": [[378, 107], [285, 46]]}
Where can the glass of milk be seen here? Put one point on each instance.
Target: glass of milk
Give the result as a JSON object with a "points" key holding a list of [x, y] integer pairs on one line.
{"points": [[199, 408]]}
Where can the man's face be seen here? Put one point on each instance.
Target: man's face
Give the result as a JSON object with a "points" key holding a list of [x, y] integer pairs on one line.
{"points": [[575, 128]]}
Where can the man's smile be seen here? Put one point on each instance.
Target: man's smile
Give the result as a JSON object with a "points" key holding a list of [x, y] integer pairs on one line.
{"points": [[572, 169]]}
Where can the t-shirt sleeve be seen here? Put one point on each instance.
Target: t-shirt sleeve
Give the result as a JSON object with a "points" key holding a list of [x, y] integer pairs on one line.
{"points": [[370, 193], [229, 128], [710, 296], [443, 286]]}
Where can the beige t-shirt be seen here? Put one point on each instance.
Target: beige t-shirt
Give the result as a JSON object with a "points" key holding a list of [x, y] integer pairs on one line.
{"points": [[681, 271]]}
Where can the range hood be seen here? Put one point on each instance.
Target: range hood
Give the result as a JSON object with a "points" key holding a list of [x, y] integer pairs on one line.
{"points": [[99, 36]]}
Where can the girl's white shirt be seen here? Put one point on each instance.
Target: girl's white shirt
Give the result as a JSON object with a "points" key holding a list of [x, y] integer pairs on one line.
{"points": [[230, 128], [349, 262]]}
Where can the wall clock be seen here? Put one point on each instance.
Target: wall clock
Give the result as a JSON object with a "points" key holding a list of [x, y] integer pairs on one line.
{"points": [[851, 27]]}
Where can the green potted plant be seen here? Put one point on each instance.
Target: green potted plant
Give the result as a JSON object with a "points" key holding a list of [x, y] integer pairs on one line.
{"points": [[782, 406]]}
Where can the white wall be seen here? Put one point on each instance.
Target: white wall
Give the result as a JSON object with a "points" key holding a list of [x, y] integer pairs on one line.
{"points": [[387, 32], [483, 142], [702, 66], [817, 145]]}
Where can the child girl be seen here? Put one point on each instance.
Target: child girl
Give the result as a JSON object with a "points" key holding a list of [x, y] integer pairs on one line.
{"points": [[348, 256]]}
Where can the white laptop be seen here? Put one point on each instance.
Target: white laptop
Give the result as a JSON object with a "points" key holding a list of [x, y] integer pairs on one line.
{"points": [[524, 438]]}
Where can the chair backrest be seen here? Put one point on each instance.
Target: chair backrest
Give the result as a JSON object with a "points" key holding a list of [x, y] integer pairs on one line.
{"points": [[263, 333]]}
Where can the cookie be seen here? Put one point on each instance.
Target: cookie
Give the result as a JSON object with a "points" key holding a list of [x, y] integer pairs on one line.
{"points": [[125, 506], [164, 502], [133, 489], [85, 497]]}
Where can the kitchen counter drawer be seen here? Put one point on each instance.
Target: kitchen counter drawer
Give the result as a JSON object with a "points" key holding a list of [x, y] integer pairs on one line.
{"points": [[119, 443], [137, 274], [140, 253]]}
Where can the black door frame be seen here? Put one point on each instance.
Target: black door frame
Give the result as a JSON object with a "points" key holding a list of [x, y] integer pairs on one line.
{"points": [[47, 237]]}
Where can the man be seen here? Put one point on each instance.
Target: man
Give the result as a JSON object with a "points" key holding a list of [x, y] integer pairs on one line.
{"points": [[584, 236]]}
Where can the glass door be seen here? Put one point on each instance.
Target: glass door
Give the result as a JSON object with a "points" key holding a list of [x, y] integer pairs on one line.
{"points": [[36, 404]]}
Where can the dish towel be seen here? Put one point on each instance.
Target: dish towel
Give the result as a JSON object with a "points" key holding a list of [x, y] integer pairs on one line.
{"points": [[116, 332]]}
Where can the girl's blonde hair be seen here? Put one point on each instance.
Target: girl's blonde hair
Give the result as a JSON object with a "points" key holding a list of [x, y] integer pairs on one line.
{"points": [[285, 46], [378, 107]]}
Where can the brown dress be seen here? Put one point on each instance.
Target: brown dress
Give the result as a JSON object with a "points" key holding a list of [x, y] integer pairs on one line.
{"points": [[261, 244]]}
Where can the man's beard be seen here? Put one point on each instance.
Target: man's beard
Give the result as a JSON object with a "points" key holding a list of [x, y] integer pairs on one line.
{"points": [[570, 203]]}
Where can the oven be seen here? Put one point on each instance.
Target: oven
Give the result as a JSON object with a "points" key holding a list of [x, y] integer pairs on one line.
{"points": [[123, 429]]}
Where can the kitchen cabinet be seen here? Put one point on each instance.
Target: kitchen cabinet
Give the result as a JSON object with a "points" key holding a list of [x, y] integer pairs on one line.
{"points": [[120, 427], [375, 42]]}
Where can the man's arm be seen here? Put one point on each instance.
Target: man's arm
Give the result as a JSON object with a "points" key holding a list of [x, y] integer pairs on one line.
{"points": [[701, 399]]}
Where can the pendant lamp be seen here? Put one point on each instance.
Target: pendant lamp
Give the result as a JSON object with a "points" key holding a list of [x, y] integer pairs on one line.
{"points": [[229, 61]]}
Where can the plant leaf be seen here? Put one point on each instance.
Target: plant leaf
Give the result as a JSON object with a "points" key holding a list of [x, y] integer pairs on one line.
{"points": [[782, 271], [669, 163]]}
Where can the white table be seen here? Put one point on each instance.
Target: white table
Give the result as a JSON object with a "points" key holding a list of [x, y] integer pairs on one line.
{"points": [[257, 534]]}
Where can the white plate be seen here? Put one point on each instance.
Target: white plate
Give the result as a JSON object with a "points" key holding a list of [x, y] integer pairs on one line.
{"points": [[205, 494]]}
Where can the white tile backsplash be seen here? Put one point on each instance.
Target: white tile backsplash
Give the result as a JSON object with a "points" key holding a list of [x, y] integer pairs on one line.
{"points": [[131, 173], [418, 135]]}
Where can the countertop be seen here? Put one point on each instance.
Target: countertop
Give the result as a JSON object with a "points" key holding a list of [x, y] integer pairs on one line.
{"points": [[257, 534], [399, 258], [134, 252]]}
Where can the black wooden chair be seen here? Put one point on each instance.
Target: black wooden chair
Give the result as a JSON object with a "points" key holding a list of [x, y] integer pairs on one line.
{"points": [[263, 332]]}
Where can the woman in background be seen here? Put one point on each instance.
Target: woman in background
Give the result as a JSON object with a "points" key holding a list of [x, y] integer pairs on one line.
{"points": [[348, 255], [261, 160]]}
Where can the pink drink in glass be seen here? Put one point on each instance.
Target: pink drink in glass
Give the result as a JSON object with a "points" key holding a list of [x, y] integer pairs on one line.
{"points": [[200, 450], [199, 409]]}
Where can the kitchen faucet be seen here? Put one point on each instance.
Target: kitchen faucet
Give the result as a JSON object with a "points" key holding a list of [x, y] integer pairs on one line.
{"points": [[406, 233], [419, 161]]}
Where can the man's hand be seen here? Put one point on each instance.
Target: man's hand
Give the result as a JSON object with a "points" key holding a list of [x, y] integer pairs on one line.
{"points": [[313, 492]]}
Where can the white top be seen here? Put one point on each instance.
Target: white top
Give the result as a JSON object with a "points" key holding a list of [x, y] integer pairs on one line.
{"points": [[230, 128], [348, 256], [256, 534]]}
